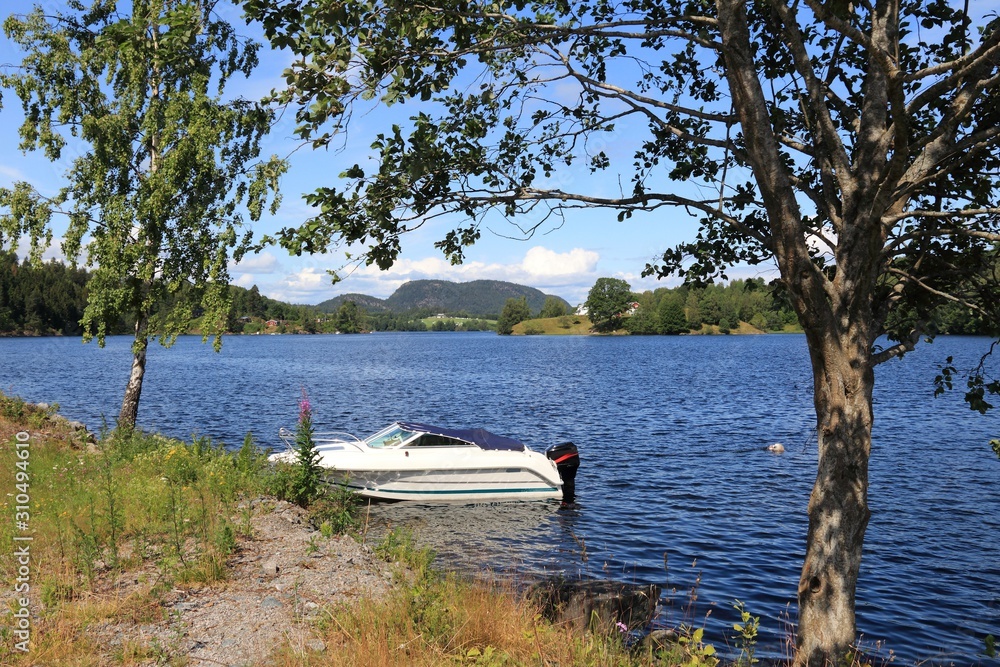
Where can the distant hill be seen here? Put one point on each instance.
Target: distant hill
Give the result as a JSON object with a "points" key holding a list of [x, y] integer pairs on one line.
{"points": [[370, 303], [477, 298]]}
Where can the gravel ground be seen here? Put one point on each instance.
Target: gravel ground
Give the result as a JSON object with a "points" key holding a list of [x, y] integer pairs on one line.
{"points": [[278, 583]]}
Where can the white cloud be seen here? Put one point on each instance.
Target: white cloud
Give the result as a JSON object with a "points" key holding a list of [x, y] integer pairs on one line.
{"points": [[545, 263], [264, 262]]}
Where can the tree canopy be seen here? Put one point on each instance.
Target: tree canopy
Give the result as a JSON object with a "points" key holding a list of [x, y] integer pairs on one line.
{"points": [[167, 169], [514, 311], [607, 302], [854, 145]]}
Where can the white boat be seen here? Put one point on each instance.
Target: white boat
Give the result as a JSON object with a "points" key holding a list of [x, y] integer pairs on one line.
{"points": [[410, 461]]}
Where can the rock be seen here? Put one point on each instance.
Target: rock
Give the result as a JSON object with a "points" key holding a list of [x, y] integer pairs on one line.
{"points": [[660, 639], [270, 602], [270, 567], [316, 645], [596, 604], [77, 426]]}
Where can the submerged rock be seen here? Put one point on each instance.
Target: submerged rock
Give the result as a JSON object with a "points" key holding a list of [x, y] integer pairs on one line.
{"points": [[596, 604]]}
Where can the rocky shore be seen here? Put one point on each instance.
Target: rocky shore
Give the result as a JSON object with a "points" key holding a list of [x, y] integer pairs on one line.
{"points": [[278, 582]]}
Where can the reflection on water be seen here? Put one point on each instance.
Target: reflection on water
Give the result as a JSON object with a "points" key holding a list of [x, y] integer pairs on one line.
{"points": [[494, 536]]}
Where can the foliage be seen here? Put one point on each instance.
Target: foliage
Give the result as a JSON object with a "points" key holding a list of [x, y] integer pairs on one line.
{"points": [[607, 302], [335, 512], [163, 164], [349, 318], [553, 308], [307, 481], [514, 312], [672, 318], [746, 640], [41, 298]]}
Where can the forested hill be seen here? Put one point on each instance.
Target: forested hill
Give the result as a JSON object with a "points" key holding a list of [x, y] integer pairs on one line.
{"points": [[49, 299], [477, 298]]}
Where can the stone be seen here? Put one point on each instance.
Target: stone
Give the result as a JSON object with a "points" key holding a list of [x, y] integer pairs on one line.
{"points": [[583, 605], [661, 639], [270, 567], [270, 602]]}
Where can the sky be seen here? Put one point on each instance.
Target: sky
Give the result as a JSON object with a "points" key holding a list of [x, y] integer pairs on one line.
{"points": [[564, 260]]}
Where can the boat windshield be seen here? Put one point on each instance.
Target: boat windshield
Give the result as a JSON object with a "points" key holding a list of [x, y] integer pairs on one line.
{"points": [[392, 436]]}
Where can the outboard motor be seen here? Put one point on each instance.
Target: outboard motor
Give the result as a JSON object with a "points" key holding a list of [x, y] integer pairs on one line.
{"points": [[567, 459]]}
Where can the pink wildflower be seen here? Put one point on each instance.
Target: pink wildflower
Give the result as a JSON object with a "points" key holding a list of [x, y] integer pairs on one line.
{"points": [[305, 408]]}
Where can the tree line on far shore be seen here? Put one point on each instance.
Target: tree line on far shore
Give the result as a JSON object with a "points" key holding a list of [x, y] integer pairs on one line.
{"points": [[611, 306], [49, 299]]}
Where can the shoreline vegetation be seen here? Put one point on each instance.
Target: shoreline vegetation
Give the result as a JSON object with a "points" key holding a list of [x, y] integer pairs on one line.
{"points": [[143, 549]]}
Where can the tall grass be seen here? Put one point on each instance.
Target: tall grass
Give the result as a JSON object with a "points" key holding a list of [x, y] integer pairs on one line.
{"points": [[134, 502]]}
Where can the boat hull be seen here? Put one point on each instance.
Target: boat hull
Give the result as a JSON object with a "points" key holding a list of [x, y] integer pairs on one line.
{"points": [[466, 474], [437, 485]]}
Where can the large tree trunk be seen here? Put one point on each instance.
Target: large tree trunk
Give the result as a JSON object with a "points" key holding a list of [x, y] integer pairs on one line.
{"points": [[838, 506], [130, 404]]}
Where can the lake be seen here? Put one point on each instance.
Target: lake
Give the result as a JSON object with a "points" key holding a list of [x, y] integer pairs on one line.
{"points": [[675, 486]]}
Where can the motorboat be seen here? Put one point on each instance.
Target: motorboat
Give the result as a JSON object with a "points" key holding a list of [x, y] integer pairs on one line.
{"points": [[411, 461]]}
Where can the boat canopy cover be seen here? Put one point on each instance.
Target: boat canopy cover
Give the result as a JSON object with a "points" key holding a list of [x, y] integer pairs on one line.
{"points": [[476, 436]]}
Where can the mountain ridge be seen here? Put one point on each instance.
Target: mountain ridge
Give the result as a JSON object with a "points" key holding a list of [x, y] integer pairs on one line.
{"points": [[476, 297]]}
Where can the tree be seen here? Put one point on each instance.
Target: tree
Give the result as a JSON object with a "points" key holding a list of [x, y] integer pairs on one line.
{"points": [[607, 301], [553, 307], [691, 305], [164, 162], [349, 318], [851, 144], [643, 322], [672, 320], [514, 312]]}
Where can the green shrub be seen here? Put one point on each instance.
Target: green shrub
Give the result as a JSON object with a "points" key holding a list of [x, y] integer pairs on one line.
{"points": [[336, 509]]}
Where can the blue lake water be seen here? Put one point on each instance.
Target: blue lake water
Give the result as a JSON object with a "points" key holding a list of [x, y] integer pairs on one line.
{"points": [[675, 487]]}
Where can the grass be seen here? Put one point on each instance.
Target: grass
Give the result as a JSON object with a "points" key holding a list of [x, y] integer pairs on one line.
{"points": [[444, 619], [567, 325], [135, 504]]}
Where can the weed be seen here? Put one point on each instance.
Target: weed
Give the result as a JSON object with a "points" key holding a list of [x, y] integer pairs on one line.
{"points": [[308, 473], [109, 491], [747, 637], [225, 539], [398, 546], [338, 508]]}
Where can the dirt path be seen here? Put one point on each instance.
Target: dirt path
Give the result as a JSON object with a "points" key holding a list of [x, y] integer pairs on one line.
{"points": [[278, 583]]}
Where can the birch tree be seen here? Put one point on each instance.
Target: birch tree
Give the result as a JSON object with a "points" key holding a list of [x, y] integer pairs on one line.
{"points": [[167, 168], [852, 144]]}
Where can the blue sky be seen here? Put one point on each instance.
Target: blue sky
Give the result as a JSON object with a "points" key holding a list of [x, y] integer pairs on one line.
{"points": [[565, 261]]}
